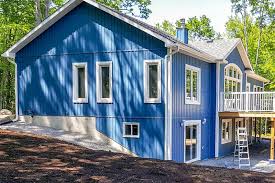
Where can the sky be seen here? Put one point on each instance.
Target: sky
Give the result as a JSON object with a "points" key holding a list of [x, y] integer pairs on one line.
{"points": [[217, 10]]}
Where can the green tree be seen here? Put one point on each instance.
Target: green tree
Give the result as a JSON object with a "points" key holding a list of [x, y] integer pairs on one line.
{"points": [[240, 8], [266, 64], [199, 28], [138, 8], [264, 12]]}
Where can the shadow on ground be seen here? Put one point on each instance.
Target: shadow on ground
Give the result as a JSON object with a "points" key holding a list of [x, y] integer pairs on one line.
{"points": [[30, 158]]}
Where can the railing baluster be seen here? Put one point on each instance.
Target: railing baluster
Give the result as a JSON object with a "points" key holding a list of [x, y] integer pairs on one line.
{"points": [[247, 101]]}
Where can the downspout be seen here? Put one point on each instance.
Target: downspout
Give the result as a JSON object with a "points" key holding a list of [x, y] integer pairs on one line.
{"points": [[16, 90], [217, 126], [168, 102]]}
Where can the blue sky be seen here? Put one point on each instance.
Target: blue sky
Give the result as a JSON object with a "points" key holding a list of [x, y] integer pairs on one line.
{"points": [[217, 10]]}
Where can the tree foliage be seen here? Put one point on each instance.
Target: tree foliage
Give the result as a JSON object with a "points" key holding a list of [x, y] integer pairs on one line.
{"points": [[199, 28], [260, 39]]}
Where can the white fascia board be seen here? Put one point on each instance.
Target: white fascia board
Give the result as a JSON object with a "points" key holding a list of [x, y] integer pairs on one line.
{"points": [[255, 76]]}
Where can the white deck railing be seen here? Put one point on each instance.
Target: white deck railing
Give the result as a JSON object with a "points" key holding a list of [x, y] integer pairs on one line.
{"points": [[247, 101]]}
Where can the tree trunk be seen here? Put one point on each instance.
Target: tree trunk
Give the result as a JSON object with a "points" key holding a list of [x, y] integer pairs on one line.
{"points": [[258, 48], [47, 8], [37, 12], [245, 32]]}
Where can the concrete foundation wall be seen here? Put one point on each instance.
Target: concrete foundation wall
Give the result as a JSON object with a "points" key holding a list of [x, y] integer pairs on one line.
{"points": [[82, 125]]}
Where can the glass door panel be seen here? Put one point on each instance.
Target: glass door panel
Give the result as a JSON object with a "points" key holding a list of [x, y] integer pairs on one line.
{"points": [[191, 143]]}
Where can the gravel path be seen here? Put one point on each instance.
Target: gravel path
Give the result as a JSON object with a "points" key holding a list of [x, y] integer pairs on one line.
{"points": [[90, 142]]}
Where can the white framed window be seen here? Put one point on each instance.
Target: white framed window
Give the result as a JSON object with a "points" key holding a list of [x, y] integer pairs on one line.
{"points": [[248, 87], [104, 82], [226, 131], [152, 81], [255, 88], [232, 78], [192, 84], [80, 83], [131, 129]]}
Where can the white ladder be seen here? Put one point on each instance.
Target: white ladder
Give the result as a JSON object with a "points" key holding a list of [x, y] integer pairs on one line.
{"points": [[241, 152]]}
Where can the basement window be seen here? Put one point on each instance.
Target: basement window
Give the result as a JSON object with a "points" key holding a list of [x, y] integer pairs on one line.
{"points": [[131, 130], [80, 83], [226, 131]]}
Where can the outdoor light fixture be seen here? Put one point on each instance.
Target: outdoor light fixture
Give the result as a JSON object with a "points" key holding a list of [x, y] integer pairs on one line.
{"points": [[204, 121]]}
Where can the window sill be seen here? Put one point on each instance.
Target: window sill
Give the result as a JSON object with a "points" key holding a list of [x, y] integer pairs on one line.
{"points": [[81, 101], [192, 102], [104, 101], [131, 136], [152, 101], [226, 141]]}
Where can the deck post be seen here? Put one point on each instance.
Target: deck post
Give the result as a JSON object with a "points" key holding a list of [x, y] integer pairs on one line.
{"points": [[272, 160]]}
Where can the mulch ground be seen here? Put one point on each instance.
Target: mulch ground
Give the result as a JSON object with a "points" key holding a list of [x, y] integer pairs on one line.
{"points": [[30, 158]]}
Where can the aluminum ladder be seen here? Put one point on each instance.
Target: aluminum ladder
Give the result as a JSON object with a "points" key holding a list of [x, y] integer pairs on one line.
{"points": [[241, 152]]}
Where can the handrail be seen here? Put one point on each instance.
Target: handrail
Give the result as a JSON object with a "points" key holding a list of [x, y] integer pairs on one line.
{"points": [[247, 101]]}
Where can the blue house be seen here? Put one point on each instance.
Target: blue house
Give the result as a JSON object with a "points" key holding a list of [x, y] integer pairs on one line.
{"points": [[89, 68]]}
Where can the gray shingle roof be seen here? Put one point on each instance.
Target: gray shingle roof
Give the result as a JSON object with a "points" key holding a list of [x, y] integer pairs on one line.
{"points": [[219, 48]]}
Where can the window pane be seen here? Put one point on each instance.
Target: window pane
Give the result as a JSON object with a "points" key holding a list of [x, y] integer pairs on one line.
{"points": [[230, 86], [135, 129], [234, 86], [238, 86], [127, 130], [81, 82], [153, 81], [231, 72], [105, 81], [188, 84], [195, 85], [226, 85]]}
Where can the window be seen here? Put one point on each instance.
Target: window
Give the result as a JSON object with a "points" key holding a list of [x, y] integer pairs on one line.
{"points": [[152, 81], [131, 130], [104, 82], [226, 131], [80, 83], [192, 84], [232, 78], [247, 87]]}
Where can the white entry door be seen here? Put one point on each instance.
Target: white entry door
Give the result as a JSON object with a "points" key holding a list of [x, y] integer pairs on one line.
{"points": [[192, 141]]}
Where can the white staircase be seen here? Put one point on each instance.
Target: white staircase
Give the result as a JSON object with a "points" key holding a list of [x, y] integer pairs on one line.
{"points": [[241, 152]]}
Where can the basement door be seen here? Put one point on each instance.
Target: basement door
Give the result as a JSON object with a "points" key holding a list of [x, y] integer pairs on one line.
{"points": [[192, 141]]}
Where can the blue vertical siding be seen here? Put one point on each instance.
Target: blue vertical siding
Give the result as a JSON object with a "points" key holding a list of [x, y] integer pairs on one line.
{"points": [[254, 82], [87, 34], [181, 111], [234, 57]]}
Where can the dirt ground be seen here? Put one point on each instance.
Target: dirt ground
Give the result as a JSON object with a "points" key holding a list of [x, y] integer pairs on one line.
{"points": [[30, 158]]}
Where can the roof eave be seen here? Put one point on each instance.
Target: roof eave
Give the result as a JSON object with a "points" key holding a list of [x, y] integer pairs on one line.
{"points": [[253, 75]]}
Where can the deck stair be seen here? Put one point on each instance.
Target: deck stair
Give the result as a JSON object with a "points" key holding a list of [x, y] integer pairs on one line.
{"points": [[241, 152]]}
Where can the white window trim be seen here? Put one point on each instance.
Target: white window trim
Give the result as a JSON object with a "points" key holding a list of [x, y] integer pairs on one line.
{"points": [[75, 66], [146, 81], [191, 101], [230, 123], [189, 123], [234, 79], [131, 136], [99, 79], [248, 85]]}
